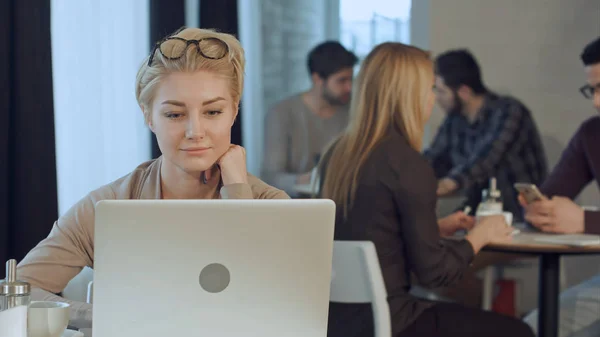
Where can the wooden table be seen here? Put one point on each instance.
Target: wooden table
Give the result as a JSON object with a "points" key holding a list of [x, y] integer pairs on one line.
{"points": [[306, 190], [549, 288]]}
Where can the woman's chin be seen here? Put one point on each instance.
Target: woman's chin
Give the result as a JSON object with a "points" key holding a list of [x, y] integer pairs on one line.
{"points": [[197, 165]]}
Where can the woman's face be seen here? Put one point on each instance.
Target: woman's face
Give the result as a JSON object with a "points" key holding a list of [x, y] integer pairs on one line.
{"points": [[191, 116], [431, 98]]}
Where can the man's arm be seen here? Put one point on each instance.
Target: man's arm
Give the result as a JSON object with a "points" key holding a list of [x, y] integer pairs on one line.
{"points": [[561, 215], [505, 125], [591, 220], [572, 173]]}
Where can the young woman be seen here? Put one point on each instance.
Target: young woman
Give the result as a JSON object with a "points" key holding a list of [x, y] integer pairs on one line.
{"points": [[189, 89], [388, 196]]}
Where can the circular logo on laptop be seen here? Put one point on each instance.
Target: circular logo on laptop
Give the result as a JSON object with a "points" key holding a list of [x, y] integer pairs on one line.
{"points": [[214, 278]]}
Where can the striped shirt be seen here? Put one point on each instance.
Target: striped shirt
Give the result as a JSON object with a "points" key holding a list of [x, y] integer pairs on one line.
{"points": [[502, 142]]}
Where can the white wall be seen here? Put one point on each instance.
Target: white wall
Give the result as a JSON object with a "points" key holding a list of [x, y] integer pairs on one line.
{"points": [[277, 36], [529, 49], [290, 29]]}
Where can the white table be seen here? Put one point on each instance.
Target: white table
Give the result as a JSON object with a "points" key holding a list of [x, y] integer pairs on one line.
{"points": [[306, 190]]}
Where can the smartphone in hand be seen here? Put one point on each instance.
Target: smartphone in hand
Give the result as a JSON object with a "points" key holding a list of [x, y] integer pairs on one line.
{"points": [[529, 191]]}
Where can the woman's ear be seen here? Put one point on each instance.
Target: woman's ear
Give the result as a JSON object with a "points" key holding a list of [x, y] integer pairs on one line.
{"points": [[235, 113], [147, 117]]}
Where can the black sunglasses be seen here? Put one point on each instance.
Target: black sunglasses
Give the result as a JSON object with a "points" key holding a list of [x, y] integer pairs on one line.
{"points": [[587, 91], [173, 48]]}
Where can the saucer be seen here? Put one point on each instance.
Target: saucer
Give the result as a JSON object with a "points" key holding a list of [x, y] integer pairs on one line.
{"points": [[72, 333]]}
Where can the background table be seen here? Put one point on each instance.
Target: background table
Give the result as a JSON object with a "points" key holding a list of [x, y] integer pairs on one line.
{"points": [[306, 190], [549, 254]]}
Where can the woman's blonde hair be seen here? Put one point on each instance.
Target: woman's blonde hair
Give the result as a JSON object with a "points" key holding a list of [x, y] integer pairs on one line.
{"points": [[215, 43], [392, 90]]}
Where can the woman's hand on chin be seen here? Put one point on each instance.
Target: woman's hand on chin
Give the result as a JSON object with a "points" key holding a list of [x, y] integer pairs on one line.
{"points": [[233, 166]]}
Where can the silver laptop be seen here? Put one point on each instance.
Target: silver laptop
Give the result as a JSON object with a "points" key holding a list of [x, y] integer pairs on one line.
{"points": [[212, 268]]}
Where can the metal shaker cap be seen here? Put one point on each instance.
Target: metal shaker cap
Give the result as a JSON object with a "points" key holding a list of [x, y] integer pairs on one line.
{"points": [[494, 192], [11, 286]]}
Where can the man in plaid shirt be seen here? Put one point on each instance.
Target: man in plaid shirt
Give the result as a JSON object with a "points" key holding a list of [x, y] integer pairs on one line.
{"points": [[484, 135]]}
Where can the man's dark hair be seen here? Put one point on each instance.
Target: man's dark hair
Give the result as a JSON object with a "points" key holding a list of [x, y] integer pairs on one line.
{"points": [[591, 53], [459, 67], [328, 58]]}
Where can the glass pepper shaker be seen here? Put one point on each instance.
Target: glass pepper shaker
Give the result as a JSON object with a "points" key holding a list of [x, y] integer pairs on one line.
{"points": [[13, 293]]}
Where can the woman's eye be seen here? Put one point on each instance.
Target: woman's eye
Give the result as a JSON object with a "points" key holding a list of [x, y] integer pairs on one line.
{"points": [[215, 112], [173, 115]]}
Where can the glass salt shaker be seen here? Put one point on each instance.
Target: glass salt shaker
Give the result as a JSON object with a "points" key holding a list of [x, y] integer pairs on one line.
{"points": [[491, 200], [13, 293]]}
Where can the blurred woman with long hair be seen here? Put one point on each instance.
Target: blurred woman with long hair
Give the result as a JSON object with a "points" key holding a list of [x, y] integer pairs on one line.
{"points": [[386, 193]]}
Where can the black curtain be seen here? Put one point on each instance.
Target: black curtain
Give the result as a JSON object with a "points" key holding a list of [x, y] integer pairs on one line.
{"points": [[166, 16], [28, 192], [222, 15]]}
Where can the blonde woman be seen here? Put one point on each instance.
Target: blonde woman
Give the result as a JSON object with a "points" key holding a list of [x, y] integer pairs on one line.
{"points": [[388, 196], [188, 89]]}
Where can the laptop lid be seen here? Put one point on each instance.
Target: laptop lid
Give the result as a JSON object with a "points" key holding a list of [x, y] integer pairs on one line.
{"points": [[212, 267]]}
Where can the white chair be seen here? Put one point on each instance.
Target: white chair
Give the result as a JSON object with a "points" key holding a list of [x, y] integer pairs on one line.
{"points": [[90, 293], [356, 278], [79, 288]]}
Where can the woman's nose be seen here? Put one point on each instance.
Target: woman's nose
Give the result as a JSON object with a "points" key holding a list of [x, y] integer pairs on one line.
{"points": [[195, 128]]}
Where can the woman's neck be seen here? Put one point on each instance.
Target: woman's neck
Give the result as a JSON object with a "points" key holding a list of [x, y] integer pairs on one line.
{"points": [[178, 184]]}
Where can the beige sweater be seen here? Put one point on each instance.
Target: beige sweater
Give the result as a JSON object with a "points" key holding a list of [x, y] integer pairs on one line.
{"points": [[294, 138], [70, 245]]}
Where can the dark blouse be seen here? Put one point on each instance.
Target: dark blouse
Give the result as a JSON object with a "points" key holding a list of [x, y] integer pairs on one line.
{"points": [[395, 208]]}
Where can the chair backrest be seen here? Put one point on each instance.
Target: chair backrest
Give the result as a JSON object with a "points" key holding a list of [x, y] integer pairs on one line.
{"points": [[356, 278], [78, 288], [90, 292]]}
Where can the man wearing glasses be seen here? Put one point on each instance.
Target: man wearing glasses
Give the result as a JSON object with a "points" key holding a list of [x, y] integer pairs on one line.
{"points": [[579, 165]]}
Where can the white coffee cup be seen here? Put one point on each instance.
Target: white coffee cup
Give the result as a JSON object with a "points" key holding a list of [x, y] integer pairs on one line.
{"points": [[508, 216], [47, 319]]}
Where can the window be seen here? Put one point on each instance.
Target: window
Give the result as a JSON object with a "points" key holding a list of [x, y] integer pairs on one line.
{"points": [[97, 47], [366, 24]]}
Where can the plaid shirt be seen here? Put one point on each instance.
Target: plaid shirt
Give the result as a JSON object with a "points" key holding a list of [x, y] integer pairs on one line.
{"points": [[503, 142]]}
